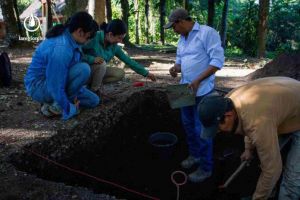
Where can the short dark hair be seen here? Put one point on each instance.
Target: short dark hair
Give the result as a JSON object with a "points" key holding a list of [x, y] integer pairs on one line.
{"points": [[115, 26]]}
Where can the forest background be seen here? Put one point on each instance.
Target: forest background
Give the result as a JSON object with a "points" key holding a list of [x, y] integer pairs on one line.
{"points": [[263, 28]]}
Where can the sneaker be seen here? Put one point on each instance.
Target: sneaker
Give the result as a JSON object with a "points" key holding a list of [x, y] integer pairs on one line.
{"points": [[45, 110], [55, 109], [189, 162], [199, 175]]}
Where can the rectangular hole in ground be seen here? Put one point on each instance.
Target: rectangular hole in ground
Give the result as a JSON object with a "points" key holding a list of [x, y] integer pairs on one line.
{"points": [[126, 158]]}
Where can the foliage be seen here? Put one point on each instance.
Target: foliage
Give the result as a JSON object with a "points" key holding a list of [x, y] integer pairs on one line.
{"points": [[242, 31], [23, 4], [284, 26], [283, 23]]}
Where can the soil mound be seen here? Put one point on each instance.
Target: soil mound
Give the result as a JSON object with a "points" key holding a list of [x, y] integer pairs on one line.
{"points": [[284, 65]]}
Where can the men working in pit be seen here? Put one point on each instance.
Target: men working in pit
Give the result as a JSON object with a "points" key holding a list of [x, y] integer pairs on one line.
{"points": [[261, 110]]}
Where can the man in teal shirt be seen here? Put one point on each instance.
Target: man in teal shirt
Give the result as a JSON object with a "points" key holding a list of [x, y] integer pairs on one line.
{"points": [[102, 48]]}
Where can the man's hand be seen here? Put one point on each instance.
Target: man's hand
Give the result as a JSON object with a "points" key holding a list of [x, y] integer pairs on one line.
{"points": [[173, 71], [151, 76], [98, 60], [194, 85], [247, 155]]}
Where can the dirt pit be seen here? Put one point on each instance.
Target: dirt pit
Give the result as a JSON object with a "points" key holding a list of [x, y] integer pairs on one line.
{"points": [[121, 153]]}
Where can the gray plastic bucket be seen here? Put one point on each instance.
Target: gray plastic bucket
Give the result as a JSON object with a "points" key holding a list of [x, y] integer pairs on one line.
{"points": [[163, 143]]}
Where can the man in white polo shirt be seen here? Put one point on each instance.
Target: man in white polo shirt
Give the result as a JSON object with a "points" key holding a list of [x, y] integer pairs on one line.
{"points": [[199, 56]]}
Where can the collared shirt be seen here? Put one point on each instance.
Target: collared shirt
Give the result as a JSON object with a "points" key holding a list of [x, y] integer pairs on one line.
{"points": [[95, 48], [266, 108], [51, 62], [201, 49]]}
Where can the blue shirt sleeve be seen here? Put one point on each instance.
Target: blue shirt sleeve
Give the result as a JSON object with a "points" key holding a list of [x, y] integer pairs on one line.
{"points": [[214, 49], [56, 74], [178, 56]]}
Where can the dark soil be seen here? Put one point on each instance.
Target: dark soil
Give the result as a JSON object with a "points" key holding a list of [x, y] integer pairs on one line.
{"points": [[284, 65], [119, 151], [126, 157]]}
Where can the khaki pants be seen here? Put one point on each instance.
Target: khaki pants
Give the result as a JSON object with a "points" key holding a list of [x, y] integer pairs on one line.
{"points": [[100, 73]]}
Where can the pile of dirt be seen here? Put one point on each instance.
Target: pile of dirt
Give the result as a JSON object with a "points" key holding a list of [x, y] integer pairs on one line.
{"points": [[284, 65]]}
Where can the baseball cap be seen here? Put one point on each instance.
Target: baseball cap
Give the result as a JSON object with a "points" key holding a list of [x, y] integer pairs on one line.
{"points": [[178, 14], [211, 110]]}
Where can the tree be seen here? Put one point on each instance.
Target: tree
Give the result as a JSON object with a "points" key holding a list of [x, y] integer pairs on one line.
{"points": [[92, 7], [47, 14], [96, 8], [283, 26], [125, 16], [153, 20], [75, 6], [108, 10], [243, 30], [186, 4], [11, 17], [147, 20], [162, 11], [100, 11], [264, 6], [211, 13], [17, 14], [224, 24], [137, 21]]}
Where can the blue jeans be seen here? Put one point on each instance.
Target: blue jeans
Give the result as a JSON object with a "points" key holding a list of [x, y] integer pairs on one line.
{"points": [[290, 185], [198, 147], [78, 76]]}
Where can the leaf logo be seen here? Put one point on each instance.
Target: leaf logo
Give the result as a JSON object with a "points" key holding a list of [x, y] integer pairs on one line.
{"points": [[32, 23]]}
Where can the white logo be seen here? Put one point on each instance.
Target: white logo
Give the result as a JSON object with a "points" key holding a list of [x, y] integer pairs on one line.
{"points": [[32, 23]]}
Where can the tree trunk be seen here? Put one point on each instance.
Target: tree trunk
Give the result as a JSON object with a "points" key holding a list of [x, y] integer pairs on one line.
{"points": [[186, 4], [262, 27], [18, 18], [49, 15], [75, 6], [46, 16], [100, 11], [91, 7], [152, 25], [162, 11], [108, 10], [96, 8], [125, 16], [224, 24], [147, 21], [10, 13], [211, 13], [136, 11]]}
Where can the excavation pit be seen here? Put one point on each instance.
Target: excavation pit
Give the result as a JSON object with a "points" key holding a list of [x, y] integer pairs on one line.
{"points": [[114, 146]]}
